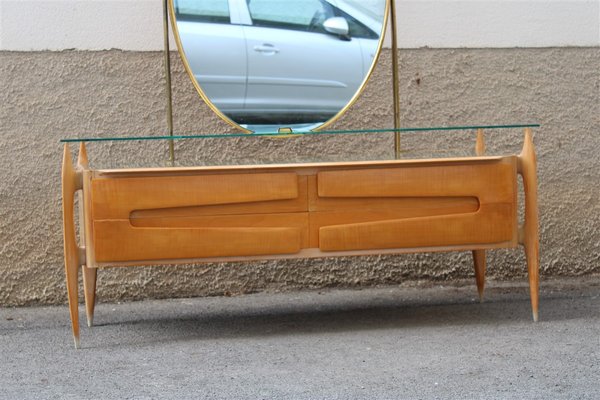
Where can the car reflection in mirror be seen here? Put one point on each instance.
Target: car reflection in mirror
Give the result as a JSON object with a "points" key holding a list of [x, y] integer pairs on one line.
{"points": [[271, 63]]}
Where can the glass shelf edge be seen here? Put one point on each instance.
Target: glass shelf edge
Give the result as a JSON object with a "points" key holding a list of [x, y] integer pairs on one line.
{"points": [[297, 134]]}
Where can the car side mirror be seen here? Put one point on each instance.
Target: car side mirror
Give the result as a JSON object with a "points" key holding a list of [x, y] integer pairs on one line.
{"points": [[337, 26]]}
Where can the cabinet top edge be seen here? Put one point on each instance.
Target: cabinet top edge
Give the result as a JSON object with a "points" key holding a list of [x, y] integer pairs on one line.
{"points": [[301, 167]]}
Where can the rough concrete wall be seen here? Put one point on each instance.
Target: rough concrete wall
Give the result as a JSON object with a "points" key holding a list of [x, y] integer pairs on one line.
{"points": [[47, 96]]}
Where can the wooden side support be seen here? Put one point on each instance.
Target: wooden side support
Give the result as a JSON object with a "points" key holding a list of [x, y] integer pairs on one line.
{"points": [[75, 255], [70, 184], [529, 235], [480, 143], [89, 274], [479, 260]]}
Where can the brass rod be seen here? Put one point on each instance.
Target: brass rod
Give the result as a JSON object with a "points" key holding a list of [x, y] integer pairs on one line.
{"points": [[167, 60], [395, 78]]}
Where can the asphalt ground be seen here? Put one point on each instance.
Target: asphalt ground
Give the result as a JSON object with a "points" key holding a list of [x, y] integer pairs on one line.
{"points": [[417, 341]]}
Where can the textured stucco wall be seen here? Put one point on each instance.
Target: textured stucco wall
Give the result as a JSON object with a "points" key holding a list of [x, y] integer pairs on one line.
{"points": [[46, 96]]}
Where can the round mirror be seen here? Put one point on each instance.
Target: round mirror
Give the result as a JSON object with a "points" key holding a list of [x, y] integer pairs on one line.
{"points": [[268, 64]]}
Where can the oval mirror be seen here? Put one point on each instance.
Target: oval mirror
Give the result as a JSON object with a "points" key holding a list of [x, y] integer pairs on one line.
{"points": [[268, 64]]}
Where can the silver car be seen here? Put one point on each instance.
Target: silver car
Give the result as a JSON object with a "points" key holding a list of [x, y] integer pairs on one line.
{"points": [[276, 61]]}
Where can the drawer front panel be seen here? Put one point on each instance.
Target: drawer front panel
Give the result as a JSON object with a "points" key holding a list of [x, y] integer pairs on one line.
{"points": [[490, 182], [117, 198], [415, 206], [491, 224], [204, 237]]}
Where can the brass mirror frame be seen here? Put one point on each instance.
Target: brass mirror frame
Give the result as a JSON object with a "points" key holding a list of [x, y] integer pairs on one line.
{"points": [[220, 114]]}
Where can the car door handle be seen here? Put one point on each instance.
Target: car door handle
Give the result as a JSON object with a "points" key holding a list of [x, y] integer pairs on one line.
{"points": [[266, 48]]}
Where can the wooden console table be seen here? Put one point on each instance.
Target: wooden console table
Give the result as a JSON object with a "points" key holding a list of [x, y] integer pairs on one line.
{"points": [[155, 216]]}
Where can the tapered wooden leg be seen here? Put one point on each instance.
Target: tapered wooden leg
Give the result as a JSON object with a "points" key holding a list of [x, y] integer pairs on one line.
{"points": [[479, 262], [530, 236], [89, 290], [72, 292], [532, 256], [69, 186]]}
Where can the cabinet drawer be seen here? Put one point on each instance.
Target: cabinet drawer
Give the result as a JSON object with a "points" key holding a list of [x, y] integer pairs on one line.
{"points": [[451, 204], [214, 194], [200, 237], [491, 181], [198, 216], [491, 224]]}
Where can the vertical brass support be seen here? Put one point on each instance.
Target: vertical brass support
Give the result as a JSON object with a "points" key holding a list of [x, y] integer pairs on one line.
{"points": [[395, 78], [167, 60]]}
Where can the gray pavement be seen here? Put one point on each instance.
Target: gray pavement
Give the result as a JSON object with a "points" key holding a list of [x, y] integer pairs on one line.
{"points": [[409, 342]]}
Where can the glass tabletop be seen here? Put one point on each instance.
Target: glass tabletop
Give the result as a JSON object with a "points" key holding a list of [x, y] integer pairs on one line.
{"points": [[299, 134], [352, 145]]}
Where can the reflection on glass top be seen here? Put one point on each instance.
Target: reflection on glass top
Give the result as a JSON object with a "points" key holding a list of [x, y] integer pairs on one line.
{"points": [[298, 134]]}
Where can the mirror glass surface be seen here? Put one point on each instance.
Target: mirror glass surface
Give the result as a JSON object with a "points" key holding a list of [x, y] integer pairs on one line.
{"points": [[270, 64]]}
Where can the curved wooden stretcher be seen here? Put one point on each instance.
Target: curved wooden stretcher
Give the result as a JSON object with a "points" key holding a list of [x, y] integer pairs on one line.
{"points": [[180, 215]]}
